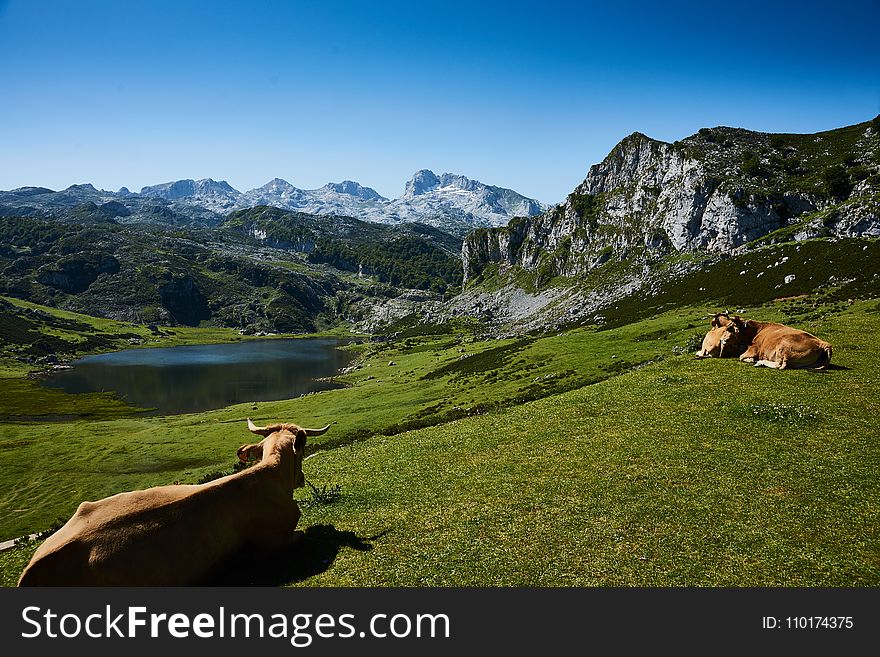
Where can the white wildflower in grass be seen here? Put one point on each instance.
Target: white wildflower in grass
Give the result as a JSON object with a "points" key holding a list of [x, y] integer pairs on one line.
{"points": [[784, 413]]}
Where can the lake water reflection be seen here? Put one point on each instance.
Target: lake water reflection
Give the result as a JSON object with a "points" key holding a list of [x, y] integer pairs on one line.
{"points": [[201, 377]]}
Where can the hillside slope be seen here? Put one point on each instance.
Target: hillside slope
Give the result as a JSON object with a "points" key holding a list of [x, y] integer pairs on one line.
{"points": [[226, 276], [676, 473], [682, 473]]}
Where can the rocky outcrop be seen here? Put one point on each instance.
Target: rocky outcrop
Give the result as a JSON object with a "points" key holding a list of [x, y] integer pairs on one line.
{"points": [[184, 300], [74, 274], [216, 196], [712, 192]]}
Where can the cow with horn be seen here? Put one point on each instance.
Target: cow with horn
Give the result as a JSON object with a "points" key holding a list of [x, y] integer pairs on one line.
{"points": [[178, 535]]}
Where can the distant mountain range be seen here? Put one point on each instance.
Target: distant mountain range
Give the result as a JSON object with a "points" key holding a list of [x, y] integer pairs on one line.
{"points": [[649, 223], [450, 202]]}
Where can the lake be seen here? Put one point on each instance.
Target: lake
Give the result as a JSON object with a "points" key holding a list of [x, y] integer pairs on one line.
{"points": [[201, 377]]}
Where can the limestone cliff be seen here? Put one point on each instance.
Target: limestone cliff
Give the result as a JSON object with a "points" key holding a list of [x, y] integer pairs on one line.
{"points": [[712, 192]]}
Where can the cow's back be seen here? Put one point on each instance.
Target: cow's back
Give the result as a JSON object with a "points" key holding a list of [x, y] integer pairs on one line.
{"points": [[790, 346], [64, 565], [158, 537], [772, 333]]}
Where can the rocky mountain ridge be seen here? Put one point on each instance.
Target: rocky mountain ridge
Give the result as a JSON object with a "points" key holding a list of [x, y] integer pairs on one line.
{"points": [[450, 202], [713, 192], [649, 220]]}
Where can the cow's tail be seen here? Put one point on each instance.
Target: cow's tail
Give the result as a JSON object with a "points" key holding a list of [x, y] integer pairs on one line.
{"points": [[824, 357]]}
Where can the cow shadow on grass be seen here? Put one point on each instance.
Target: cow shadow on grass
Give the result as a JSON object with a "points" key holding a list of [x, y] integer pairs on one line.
{"points": [[314, 553]]}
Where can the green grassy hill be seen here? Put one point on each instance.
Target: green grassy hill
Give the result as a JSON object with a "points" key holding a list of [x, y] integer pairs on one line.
{"points": [[309, 273], [683, 473], [666, 471]]}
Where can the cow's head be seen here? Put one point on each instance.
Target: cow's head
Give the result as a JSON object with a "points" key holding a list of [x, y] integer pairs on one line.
{"points": [[724, 338], [280, 441]]}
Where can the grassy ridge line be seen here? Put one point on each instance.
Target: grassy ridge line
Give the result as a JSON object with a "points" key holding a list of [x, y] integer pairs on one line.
{"points": [[709, 473], [170, 336]]}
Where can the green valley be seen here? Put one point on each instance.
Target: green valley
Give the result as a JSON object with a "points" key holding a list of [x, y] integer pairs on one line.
{"points": [[591, 456], [523, 407]]}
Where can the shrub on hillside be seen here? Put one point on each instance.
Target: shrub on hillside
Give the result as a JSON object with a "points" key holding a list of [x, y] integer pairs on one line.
{"points": [[836, 182]]}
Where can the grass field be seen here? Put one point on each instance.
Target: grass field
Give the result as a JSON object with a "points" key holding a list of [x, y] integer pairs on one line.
{"points": [[684, 473], [50, 466], [665, 471]]}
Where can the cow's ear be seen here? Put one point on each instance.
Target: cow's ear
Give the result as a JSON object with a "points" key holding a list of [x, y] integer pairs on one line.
{"points": [[299, 443], [252, 452]]}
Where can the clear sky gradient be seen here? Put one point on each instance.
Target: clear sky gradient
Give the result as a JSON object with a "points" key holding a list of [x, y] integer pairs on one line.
{"points": [[525, 95]]}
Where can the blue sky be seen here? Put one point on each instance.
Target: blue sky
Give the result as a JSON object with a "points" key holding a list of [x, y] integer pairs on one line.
{"points": [[524, 95]]}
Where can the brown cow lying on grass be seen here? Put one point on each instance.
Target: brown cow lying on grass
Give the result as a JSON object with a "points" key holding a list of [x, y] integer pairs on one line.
{"points": [[177, 535], [764, 344]]}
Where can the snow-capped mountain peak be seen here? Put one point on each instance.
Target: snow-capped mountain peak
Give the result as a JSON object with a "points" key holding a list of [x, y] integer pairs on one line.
{"points": [[455, 199], [422, 182], [354, 189], [450, 202], [275, 185], [218, 196]]}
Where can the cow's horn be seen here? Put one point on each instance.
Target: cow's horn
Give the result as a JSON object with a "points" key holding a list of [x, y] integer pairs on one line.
{"points": [[253, 428], [316, 432]]}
